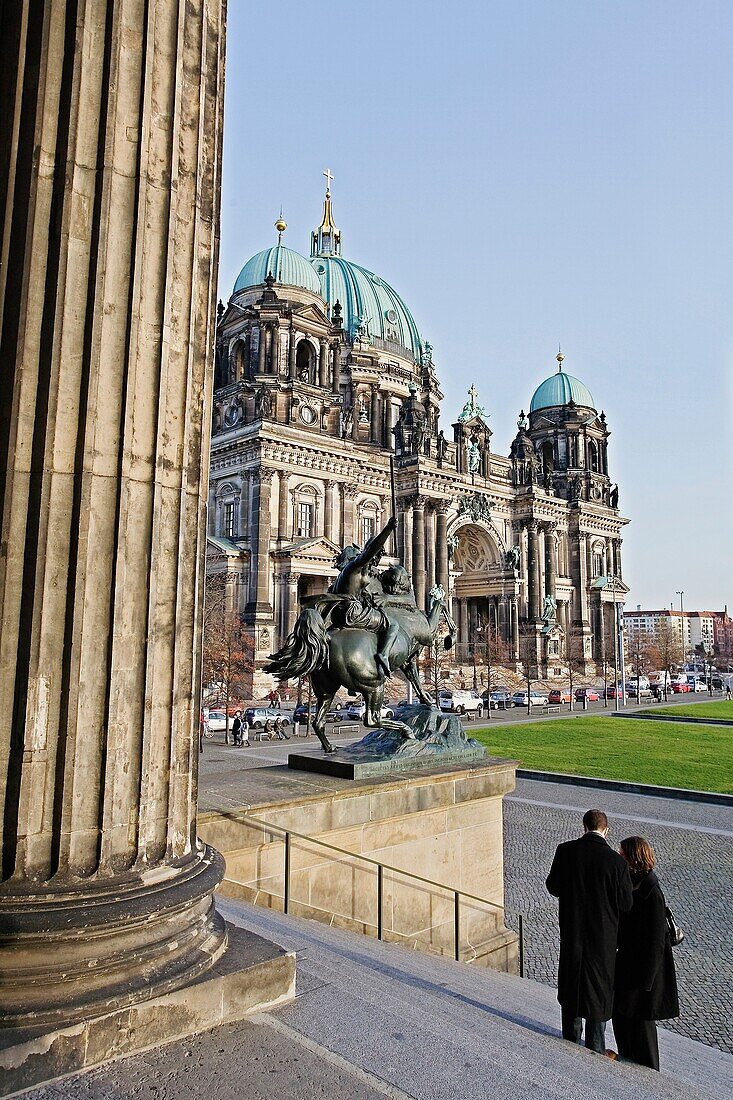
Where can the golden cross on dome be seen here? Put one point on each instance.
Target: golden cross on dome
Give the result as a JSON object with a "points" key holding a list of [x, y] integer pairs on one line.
{"points": [[329, 177]]}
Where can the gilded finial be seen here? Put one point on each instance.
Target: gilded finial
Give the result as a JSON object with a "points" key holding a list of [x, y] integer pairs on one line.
{"points": [[560, 357], [281, 225]]}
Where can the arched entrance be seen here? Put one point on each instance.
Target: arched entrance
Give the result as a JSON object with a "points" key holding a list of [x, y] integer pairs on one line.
{"points": [[484, 595]]}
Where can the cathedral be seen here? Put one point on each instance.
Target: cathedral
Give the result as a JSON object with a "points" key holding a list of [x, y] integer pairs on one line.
{"points": [[323, 384]]}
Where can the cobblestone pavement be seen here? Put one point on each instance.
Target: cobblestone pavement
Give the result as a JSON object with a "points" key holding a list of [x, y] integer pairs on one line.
{"points": [[694, 847]]}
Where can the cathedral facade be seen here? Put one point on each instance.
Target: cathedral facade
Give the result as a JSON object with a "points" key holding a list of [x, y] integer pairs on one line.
{"points": [[322, 385]]}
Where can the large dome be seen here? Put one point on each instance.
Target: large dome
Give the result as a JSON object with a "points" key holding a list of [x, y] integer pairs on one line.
{"points": [[286, 267], [561, 389], [369, 301]]}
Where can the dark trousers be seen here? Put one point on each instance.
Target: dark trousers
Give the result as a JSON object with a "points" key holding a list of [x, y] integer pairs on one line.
{"points": [[595, 1031], [637, 1040]]}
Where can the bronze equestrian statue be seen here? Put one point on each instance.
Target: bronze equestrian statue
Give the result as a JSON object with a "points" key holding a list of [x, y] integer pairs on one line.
{"points": [[366, 627]]}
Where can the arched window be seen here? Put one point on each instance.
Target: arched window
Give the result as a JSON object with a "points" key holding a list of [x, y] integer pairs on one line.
{"points": [[228, 511], [305, 362], [593, 455], [305, 512], [368, 521], [237, 358], [598, 560]]}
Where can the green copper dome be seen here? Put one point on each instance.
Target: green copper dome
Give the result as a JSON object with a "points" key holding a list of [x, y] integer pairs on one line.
{"points": [[371, 308], [287, 267], [561, 389]]}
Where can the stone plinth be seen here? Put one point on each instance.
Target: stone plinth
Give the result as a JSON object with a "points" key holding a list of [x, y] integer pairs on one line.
{"points": [[439, 740], [252, 976], [445, 825]]}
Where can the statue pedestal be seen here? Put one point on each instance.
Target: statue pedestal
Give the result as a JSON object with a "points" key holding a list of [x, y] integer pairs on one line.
{"points": [[439, 740]]}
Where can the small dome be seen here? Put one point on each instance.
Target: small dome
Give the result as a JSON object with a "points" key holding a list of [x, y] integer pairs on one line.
{"points": [[286, 266], [561, 389], [370, 306]]}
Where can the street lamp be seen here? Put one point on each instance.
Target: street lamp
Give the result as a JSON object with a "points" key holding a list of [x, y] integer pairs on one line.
{"points": [[680, 593], [611, 583]]}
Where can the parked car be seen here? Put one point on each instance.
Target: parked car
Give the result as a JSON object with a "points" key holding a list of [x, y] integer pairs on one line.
{"points": [[519, 699], [643, 692], [216, 721], [461, 702], [498, 699], [356, 711], [614, 690], [680, 687], [257, 716], [560, 695], [589, 693], [301, 714]]}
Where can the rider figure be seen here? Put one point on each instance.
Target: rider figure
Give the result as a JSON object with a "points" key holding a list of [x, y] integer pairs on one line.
{"points": [[358, 578]]}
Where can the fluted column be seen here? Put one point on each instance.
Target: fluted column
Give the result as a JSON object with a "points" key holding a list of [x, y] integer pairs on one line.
{"points": [[374, 414], [109, 257], [418, 550], [262, 350], [514, 615], [350, 493], [242, 526], [290, 586], [291, 356], [335, 368]]}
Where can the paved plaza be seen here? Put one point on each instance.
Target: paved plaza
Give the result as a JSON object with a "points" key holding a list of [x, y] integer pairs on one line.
{"points": [[694, 847]]}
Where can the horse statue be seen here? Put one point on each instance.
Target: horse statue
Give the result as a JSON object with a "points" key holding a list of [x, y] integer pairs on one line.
{"points": [[356, 635]]}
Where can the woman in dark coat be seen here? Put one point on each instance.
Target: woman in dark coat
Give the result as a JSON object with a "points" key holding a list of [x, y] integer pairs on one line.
{"points": [[646, 984]]}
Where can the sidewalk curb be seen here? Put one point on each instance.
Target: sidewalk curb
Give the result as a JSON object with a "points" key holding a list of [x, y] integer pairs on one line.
{"points": [[713, 798], [677, 718]]}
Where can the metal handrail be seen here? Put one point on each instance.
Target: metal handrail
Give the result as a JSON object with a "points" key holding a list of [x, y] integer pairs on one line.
{"points": [[366, 859]]}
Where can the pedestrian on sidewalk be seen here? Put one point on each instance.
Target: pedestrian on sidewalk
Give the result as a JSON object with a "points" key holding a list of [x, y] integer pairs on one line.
{"points": [[237, 729], [593, 885], [646, 982]]}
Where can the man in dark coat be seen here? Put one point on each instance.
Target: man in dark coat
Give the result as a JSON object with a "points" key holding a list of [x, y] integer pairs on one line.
{"points": [[593, 885]]}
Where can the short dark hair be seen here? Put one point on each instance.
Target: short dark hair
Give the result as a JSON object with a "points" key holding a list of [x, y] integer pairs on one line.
{"points": [[594, 821], [638, 853]]}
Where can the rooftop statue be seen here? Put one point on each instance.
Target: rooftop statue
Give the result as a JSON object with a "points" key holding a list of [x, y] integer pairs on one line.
{"points": [[471, 409], [356, 635]]}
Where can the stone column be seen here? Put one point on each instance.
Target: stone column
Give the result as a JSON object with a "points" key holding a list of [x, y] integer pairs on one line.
{"points": [[262, 350], [463, 621], [418, 550], [514, 615], [259, 520], [290, 589], [335, 368], [291, 355], [441, 544], [348, 532], [242, 526], [429, 546], [374, 414], [282, 506], [329, 486], [323, 364], [533, 572], [550, 560], [407, 534], [107, 294], [275, 350]]}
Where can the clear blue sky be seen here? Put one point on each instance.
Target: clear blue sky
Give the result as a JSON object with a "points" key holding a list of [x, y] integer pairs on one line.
{"points": [[525, 173]]}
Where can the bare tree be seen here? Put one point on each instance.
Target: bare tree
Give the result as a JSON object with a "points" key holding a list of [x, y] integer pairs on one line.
{"points": [[665, 650], [640, 652], [228, 649], [575, 657], [494, 651], [528, 658]]}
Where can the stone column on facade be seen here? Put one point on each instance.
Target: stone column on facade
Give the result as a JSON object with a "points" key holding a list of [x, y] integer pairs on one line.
{"points": [[418, 550], [407, 534], [550, 560], [282, 506], [335, 368], [262, 350], [292, 346], [533, 573], [259, 576], [323, 364], [374, 414], [514, 620], [349, 533], [329, 486], [463, 621], [242, 526], [275, 349], [441, 544], [108, 302], [355, 417], [503, 625], [290, 589], [429, 546]]}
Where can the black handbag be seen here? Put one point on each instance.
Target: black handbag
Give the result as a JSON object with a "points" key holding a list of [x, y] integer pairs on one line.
{"points": [[676, 934]]}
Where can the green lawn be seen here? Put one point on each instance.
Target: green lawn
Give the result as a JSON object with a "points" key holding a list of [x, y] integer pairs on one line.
{"points": [[663, 753], [719, 709]]}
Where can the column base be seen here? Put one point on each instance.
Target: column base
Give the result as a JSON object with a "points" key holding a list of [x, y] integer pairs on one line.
{"points": [[253, 975], [98, 945]]}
